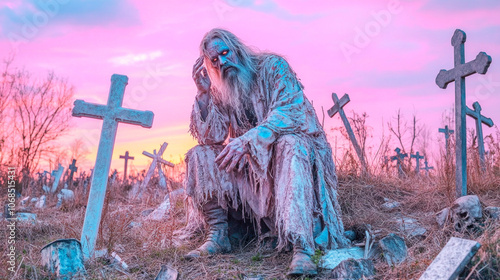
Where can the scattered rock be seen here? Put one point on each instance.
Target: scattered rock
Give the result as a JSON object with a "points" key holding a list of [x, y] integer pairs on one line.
{"points": [[409, 226], [353, 269], [333, 258], [41, 202], [25, 200], [466, 211], [393, 248], [349, 234], [450, 262], [167, 273], [492, 212], [390, 204], [161, 212], [442, 216], [64, 196], [133, 224], [147, 212], [26, 217]]}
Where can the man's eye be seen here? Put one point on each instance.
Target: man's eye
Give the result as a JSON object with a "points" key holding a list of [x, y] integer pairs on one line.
{"points": [[214, 59], [224, 52]]}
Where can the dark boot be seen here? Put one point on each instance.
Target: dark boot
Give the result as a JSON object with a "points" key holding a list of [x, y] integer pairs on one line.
{"points": [[217, 240], [302, 263]]}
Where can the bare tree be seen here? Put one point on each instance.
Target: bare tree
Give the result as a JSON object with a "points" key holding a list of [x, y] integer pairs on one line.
{"points": [[405, 133]]}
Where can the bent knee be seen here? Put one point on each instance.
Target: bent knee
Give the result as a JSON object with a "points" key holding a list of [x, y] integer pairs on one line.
{"points": [[204, 151]]}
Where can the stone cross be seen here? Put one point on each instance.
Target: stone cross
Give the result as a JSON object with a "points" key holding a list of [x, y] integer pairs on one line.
{"points": [[427, 168], [417, 158], [126, 157], [73, 168], [399, 158], [57, 174], [457, 74], [447, 132], [156, 163], [338, 107], [111, 114], [480, 119]]}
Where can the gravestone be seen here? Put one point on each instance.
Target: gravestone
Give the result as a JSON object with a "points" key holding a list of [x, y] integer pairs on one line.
{"points": [[156, 163], [111, 114], [417, 158], [399, 158], [73, 168], [480, 119], [338, 107], [126, 157], [57, 174], [427, 168], [457, 74], [447, 132]]}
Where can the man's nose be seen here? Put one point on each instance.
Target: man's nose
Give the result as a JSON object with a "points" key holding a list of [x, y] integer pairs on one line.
{"points": [[222, 60]]}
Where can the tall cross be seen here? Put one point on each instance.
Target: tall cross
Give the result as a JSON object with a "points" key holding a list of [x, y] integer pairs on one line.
{"points": [[111, 114], [126, 157], [156, 163], [480, 119], [417, 158], [399, 157], [457, 74], [338, 107], [447, 132], [427, 168], [73, 168]]}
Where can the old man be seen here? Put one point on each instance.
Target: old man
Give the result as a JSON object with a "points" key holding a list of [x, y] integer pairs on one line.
{"points": [[276, 167]]}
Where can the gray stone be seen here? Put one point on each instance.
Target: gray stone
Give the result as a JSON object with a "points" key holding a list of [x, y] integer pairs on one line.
{"points": [[167, 273], [394, 249], [457, 74], [42, 201], [64, 259], [452, 259], [443, 216], [146, 212], [353, 270], [65, 195], [466, 211], [161, 212], [390, 205], [492, 212], [26, 217], [410, 227], [333, 258], [111, 114]]}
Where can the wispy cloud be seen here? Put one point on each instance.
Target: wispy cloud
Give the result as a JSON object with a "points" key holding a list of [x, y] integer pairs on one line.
{"points": [[130, 59]]}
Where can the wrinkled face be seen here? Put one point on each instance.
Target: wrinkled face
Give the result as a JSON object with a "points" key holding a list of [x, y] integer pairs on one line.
{"points": [[222, 59]]}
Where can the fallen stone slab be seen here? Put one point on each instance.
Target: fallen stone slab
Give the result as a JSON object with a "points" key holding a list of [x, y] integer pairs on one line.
{"points": [[333, 258], [161, 212], [452, 259], [167, 273], [353, 270], [409, 226], [26, 217], [394, 249]]}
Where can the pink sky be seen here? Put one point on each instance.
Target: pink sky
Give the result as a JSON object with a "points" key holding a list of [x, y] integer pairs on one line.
{"points": [[384, 54]]}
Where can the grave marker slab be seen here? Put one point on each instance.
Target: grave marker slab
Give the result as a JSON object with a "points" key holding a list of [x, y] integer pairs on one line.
{"points": [[457, 74], [480, 119], [111, 114], [57, 174]]}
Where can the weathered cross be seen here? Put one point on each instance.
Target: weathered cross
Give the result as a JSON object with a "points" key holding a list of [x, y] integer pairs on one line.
{"points": [[399, 157], [156, 163], [111, 114], [338, 107], [457, 74], [427, 168], [73, 168], [480, 119], [126, 157], [447, 132], [417, 158], [57, 174]]}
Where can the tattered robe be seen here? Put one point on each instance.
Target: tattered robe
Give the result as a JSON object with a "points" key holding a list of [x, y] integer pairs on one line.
{"points": [[289, 181]]}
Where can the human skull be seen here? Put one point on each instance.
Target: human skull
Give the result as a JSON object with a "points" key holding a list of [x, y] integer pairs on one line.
{"points": [[465, 212]]}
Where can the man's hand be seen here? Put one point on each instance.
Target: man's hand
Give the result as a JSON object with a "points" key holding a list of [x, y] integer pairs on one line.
{"points": [[231, 155], [200, 76]]}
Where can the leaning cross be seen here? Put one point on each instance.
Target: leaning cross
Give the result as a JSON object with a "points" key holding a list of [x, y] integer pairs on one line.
{"points": [[417, 158], [73, 168], [126, 157], [157, 161], [111, 114], [399, 157], [57, 174], [479, 65], [480, 119], [427, 168], [338, 107], [447, 132]]}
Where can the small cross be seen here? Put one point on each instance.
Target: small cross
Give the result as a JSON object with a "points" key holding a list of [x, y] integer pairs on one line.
{"points": [[399, 157], [72, 169], [126, 157], [338, 107], [417, 157], [427, 168], [457, 74], [447, 132], [480, 119], [156, 163], [112, 113]]}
